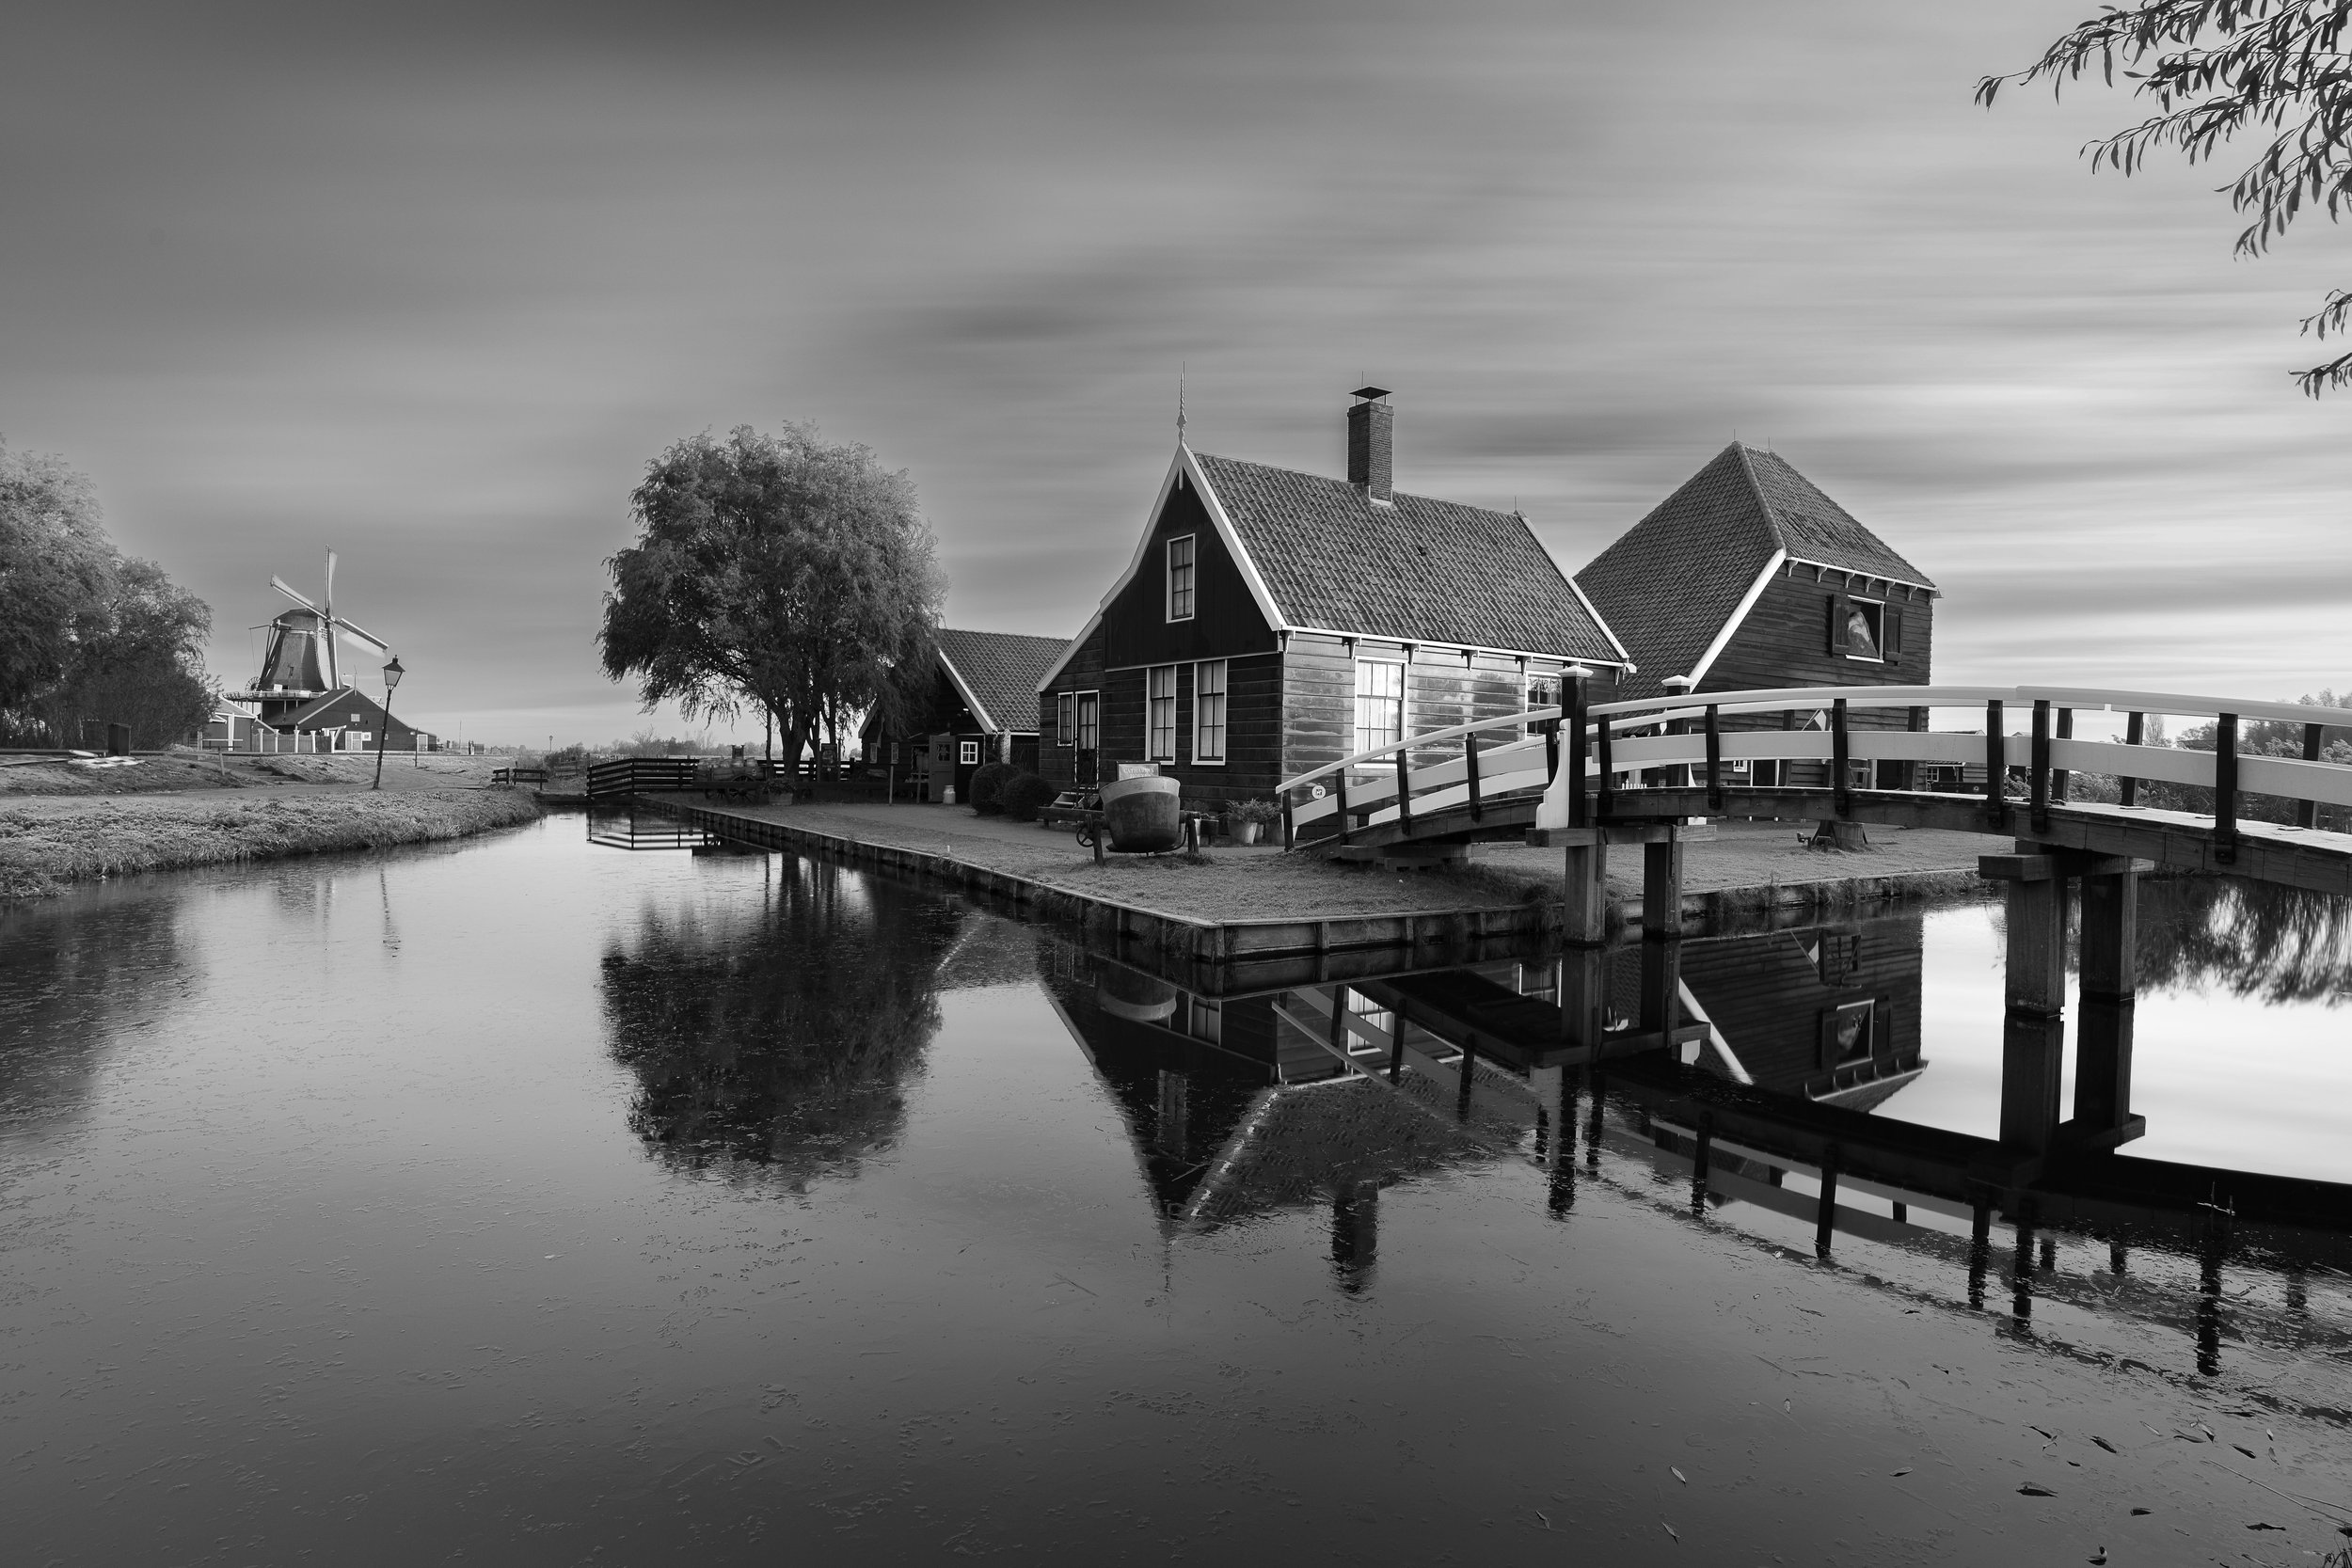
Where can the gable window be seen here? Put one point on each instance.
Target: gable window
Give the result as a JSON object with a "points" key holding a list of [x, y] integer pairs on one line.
{"points": [[1066, 719], [1208, 710], [1180, 579], [1162, 698], [1862, 628], [1379, 703]]}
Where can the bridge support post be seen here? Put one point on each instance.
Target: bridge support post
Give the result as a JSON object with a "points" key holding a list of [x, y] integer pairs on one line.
{"points": [[1661, 932], [1585, 917], [2109, 981], [1584, 1001], [2033, 1026]]}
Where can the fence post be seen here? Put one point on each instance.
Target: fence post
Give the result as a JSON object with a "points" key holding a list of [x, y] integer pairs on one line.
{"points": [[1841, 764], [1290, 829], [1404, 789], [1714, 761], [2060, 778], [1996, 765], [1605, 795], [2038, 772], [1339, 793], [2307, 812], [2225, 788], [2135, 734], [1469, 766]]}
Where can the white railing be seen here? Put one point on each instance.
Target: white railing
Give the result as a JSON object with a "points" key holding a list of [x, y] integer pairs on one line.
{"points": [[1610, 745]]}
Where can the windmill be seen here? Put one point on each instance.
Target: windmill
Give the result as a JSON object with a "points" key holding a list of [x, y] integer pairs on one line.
{"points": [[300, 662]]}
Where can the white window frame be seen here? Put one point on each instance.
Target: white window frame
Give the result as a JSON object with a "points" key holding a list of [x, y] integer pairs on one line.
{"points": [[1203, 753], [1153, 730], [1066, 720], [1527, 693], [1403, 700], [1192, 577], [1875, 613], [967, 753]]}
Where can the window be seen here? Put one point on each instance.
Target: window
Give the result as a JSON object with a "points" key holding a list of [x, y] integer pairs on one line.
{"points": [[1162, 712], [1180, 579], [969, 754], [1379, 704], [1865, 627], [1208, 710], [1846, 1034], [1090, 720], [1542, 691], [1838, 957], [1208, 1020], [1066, 719]]}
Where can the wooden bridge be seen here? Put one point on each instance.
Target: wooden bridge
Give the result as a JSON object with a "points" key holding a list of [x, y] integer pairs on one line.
{"points": [[1584, 778], [1661, 760]]}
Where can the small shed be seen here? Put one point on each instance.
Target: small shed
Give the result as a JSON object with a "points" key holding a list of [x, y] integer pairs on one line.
{"points": [[979, 705]]}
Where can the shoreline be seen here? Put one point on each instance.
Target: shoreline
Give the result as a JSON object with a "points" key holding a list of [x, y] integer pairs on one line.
{"points": [[54, 844], [1217, 925]]}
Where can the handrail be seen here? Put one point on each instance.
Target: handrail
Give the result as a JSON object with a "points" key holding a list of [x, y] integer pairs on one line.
{"points": [[1761, 700], [1534, 715], [2179, 704]]}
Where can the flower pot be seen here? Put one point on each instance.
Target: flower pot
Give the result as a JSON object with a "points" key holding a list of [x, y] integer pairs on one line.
{"points": [[1244, 832]]}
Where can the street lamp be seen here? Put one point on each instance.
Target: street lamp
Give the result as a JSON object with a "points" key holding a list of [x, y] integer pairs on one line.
{"points": [[392, 673]]}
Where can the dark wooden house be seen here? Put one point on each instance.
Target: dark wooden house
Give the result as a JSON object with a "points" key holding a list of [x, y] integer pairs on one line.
{"points": [[1271, 622], [1749, 577], [1831, 1013], [979, 707]]}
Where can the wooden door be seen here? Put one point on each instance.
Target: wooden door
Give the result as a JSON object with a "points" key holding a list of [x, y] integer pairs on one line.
{"points": [[1089, 740]]}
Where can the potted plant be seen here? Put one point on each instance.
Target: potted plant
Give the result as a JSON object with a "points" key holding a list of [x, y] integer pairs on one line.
{"points": [[1246, 819]]}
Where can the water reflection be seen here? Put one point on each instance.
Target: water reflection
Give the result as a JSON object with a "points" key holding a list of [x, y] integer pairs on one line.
{"points": [[1780, 1120], [782, 1033], [80, 973], [2279, 944]]}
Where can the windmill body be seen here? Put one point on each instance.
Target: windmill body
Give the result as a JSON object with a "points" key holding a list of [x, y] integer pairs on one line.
{"points": [[302, 689]]}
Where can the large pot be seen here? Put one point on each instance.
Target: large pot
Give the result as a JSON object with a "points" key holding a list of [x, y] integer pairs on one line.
{"points": [[1142, 814]]}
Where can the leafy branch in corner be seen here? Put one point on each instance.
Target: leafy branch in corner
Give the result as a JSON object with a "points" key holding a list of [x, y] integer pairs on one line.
{"points": [[2216, 69]]}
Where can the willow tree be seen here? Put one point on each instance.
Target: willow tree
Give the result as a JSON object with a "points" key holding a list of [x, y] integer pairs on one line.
{"points": [[782, 573], [2212, 70]]}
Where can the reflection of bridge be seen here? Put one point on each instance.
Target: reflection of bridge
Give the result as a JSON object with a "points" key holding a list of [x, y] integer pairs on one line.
{"points": [[1632, 772], [1324, 1095]]}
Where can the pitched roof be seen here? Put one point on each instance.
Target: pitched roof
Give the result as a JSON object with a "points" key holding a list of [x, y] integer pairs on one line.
{"points": [[1417, 571], [1001, 671], [1673, 580]]}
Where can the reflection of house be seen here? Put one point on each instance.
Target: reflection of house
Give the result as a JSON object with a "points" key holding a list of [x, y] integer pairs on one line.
{"points": [[1270, 622], [979, 705], [1833, 1015], [1749, 577], [1250, 1104]]}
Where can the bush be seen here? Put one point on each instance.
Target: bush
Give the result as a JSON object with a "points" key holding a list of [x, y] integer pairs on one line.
{"points": [[988, 788], [1025, 794], [1261, 812]]}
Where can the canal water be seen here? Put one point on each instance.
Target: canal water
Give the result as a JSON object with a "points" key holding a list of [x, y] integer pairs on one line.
{"points": [[544, 1201]]}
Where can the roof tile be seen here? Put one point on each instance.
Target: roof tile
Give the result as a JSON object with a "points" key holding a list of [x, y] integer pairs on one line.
{"points": [[1003, 670]]}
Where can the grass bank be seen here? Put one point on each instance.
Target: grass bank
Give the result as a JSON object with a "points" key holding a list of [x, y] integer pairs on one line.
{"points": [[48, 844]]}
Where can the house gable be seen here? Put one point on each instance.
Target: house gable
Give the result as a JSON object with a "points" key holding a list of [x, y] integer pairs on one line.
{"points": [[1682, 585], [1226, 621]]}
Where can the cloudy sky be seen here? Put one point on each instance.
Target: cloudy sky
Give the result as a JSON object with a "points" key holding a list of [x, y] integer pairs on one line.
{"points": [[431, 284]]}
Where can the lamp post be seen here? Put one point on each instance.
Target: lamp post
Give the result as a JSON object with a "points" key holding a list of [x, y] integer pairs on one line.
{"points": [[392, 673]]}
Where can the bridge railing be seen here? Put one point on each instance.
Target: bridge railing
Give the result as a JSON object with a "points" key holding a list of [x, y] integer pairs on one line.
{"points": [[1607, 748]]}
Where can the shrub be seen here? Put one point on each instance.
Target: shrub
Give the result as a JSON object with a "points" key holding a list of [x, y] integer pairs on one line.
{"points": [[1025, 794], [1260, 811], [988, 788]]}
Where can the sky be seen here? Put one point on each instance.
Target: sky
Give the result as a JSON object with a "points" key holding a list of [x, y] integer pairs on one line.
{"points": [[430, 285]]}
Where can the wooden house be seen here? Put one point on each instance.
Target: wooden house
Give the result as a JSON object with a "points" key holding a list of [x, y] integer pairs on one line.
{"points": [[1749, 577], [1270, 622], [979, 705], [1832, 1014]]}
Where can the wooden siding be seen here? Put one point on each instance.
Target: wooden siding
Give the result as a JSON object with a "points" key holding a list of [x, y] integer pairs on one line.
{"points": [[1785, 641], [1059, 764], [1441, 691], [1226, 621]]}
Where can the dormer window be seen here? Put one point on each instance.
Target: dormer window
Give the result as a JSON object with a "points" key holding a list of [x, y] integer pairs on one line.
{"points": [[1180, 579]]}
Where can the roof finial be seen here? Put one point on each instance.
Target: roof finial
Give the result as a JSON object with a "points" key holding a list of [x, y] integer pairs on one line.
{"points": [[1181, 368]]}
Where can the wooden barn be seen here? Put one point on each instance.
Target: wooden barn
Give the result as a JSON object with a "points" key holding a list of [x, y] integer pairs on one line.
{"points": [[1749, 577], [979, 707], [1270, 622]]}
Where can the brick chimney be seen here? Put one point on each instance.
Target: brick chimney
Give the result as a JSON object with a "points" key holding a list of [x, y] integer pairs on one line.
{"points": [[1368, 443]]}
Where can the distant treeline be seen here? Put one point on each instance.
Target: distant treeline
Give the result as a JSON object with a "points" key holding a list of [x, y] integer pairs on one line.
{"points": [[2260, 737], [89, 635]]}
